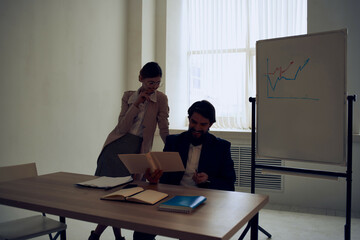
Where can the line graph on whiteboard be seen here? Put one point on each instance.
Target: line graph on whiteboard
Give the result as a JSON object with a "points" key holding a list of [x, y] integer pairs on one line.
{"points": [[279, 79]]}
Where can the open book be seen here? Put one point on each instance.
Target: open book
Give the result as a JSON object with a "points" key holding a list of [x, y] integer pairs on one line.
{"points": [[166, 161], [136, 194], [106, 182]]}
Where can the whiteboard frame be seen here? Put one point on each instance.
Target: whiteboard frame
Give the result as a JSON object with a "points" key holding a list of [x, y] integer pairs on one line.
{"points": [[340, 158]]}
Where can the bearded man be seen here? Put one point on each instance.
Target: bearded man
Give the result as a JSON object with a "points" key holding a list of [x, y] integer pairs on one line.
{"points": [[207, 159]]}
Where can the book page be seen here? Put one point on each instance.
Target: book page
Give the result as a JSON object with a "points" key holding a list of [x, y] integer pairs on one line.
{"points": [[168, 161], [122, 194], [135, 163], [148, 196]]}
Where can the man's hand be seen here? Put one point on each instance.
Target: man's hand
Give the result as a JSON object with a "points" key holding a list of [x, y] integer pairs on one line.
{"points": [[200, 177], [153, 177]]}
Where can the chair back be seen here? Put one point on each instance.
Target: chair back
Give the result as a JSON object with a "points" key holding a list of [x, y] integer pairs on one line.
{"points": [[14, 172]]}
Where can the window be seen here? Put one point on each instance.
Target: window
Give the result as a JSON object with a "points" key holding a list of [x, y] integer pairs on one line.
{"points": [[211, 53]]}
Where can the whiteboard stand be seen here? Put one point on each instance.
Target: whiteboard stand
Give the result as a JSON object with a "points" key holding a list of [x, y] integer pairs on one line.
{"points": [[252, 171], [347, 175]]}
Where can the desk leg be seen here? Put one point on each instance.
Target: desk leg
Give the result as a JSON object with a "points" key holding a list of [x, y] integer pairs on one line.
{"points": [[63, 233], [254, 227]]}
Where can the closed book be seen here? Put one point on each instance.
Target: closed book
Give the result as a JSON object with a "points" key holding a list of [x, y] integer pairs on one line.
{"points": [[183, 204]]}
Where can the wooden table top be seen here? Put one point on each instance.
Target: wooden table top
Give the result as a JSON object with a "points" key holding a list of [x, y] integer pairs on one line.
{"points": [[222, 215]]}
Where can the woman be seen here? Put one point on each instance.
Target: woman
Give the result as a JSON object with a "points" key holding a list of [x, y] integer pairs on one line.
{"points": [[141, 111]]}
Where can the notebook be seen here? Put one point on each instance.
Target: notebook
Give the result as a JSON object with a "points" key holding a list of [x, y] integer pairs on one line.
{"points": [[183, 204]]}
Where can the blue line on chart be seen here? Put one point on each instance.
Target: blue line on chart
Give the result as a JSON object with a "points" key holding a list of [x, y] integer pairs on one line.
{"points": [[284, 78]]}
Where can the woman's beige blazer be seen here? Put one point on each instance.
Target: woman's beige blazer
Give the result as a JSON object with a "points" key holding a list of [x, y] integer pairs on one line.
{"points": [[157, 113]]}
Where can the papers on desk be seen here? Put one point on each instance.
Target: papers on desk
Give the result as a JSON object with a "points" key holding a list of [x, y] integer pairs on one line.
{"points": [[106, 182], [183, 204]]}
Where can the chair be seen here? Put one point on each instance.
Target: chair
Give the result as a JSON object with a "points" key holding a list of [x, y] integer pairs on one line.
{"points": [[28, 227]]}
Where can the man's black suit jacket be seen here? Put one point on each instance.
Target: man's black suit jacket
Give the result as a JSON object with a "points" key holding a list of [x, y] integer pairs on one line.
{"points": [[215, 161]]}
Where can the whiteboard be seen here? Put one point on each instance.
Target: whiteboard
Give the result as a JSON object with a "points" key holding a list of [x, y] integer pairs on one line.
{"points": [[301, 98]]}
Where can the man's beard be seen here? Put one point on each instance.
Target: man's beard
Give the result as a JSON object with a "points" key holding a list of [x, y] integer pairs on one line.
{"points": [[194, 140]]}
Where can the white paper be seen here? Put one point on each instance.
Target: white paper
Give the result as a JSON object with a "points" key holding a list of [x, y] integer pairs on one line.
{"points": [[106, 182]]}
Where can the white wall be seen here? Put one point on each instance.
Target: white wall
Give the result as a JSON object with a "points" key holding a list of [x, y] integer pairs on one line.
{"points": [[62, 74]]}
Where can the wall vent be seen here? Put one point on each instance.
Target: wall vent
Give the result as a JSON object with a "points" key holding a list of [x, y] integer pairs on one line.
{"points": [[241, 156]]}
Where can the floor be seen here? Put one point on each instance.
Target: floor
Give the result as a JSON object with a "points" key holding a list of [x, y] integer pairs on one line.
{"points": [[281, 224]]}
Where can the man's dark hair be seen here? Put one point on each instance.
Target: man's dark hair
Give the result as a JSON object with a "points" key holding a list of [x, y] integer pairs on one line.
{"points": [[150, 70], [205, 109]]}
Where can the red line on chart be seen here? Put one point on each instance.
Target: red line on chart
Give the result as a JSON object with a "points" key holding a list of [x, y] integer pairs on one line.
{"points": [[280, 69]]}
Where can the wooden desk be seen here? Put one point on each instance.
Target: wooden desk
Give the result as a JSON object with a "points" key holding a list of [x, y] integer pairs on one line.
{"points": [[223, 214]]}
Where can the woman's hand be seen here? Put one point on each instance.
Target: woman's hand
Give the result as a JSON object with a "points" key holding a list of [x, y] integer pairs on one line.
{"points": [[143, 96]]}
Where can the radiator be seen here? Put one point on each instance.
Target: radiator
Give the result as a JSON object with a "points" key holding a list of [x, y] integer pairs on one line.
{"points": [[241, 155]]}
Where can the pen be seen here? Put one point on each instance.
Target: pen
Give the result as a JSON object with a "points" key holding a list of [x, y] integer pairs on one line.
{"points": [[196, 173]]}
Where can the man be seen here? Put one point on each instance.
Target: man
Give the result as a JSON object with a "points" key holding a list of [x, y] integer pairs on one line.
{"points": [[207, 159]]}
